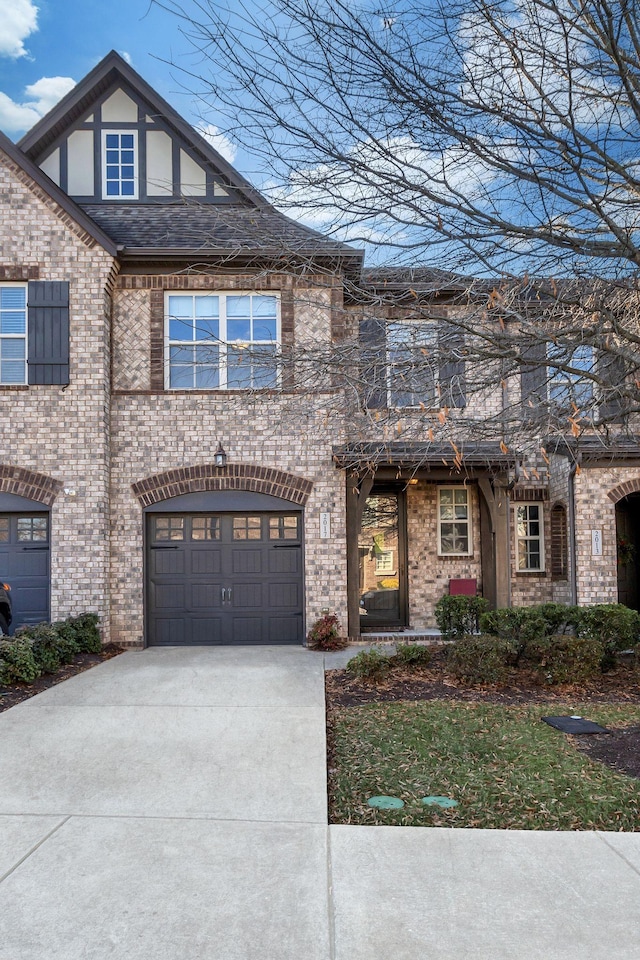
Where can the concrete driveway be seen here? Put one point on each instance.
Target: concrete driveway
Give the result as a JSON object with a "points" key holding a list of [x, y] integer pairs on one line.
{"points": [[171, 804]]}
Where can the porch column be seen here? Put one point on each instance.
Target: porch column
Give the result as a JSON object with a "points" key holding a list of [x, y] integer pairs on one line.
{"points": [[358, 489], [497, 502]]}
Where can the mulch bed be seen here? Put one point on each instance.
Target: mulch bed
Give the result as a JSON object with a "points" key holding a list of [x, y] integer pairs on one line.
{"points": [[619, 749], [17, 692]]}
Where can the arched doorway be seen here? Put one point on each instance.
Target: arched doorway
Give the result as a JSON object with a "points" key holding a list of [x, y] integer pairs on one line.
{"points": [[628, 549]]}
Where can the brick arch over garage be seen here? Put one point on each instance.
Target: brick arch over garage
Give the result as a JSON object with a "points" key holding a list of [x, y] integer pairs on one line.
{"points": [[235, 476], [29, 484], [624, 489]]}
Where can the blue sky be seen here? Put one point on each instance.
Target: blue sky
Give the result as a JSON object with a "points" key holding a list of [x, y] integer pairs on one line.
{"points": [[46, 44]]}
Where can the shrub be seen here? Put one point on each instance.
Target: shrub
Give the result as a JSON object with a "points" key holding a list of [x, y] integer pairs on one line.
{"points": [[518, 626], [559, 617], [370, 665], [326, 634], [68, 643], [17, 662], [566, 659], [459, 615], [87, 634], [45, 643], [612, 624], [480, 659], [412, 654]]}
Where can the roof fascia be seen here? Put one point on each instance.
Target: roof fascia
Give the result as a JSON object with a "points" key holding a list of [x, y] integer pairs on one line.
{"points": [[68, 205]]}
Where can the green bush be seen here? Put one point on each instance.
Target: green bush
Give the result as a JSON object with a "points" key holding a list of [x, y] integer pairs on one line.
{"points": [[412, 655], [87, 634], [370, 665], [480, 659], [459, 615], [518, 626], [558, 617], [612, 624], [45, 643], [326, 634], [68, 642], [17, 662], [566, 659]]}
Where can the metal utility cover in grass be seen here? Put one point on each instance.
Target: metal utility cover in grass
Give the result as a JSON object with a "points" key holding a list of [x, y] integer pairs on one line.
{"points": [[574, 725], [386, 803], [444, 802]]}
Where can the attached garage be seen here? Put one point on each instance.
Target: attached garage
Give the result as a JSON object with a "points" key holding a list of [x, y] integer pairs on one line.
{"points": [[25, 557], [224, 568]]}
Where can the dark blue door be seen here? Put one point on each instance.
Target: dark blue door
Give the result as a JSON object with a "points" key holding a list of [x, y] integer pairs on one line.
{"points": [[24, 565]]}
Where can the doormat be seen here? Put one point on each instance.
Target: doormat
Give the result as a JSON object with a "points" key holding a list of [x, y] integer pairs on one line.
{"points": [[574, 725]]}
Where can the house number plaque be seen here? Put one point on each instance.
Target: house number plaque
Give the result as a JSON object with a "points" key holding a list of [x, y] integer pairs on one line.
{"points": [[596, 543], [325, 526]]}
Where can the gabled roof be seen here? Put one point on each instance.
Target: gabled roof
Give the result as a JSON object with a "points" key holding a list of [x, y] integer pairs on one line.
{"points": [[112, 69], [246, 224], [60, 197]]}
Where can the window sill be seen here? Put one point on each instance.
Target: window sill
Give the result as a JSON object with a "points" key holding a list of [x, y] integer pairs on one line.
{"points": [[531, 573], [13, 386]]}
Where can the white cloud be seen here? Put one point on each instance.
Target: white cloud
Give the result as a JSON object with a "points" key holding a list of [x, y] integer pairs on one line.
{"points": [[218, 141], [123, 53], [19, 18], [40, 97]]}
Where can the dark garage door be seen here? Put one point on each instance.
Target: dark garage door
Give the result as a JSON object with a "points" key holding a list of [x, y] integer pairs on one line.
{"points": [[224, 578], [24, 564]]}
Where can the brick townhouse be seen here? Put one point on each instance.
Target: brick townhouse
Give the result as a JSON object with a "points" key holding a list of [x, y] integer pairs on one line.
{"points": [[162, 466]]}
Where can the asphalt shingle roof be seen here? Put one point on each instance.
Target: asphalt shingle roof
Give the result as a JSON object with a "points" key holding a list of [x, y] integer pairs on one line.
{"points": [[205, 226]]}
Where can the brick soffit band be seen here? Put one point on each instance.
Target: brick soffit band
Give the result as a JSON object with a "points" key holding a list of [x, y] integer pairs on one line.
{"points": [[29, 484], [235, 476], [624, 489]]}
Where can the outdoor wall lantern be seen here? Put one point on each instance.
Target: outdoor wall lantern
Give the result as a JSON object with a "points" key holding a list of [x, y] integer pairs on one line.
{"points": [[220, 456]]}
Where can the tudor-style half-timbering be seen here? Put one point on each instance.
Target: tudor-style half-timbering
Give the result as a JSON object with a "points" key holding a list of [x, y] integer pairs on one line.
{"points": [[121, 150]]}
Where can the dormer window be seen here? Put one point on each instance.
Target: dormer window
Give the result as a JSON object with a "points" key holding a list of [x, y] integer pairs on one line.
{"points": [[120, 165]]}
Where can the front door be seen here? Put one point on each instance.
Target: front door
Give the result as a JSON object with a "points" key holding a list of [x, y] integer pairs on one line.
{"points": [[382, 550], [224, 578], [628, 548]]}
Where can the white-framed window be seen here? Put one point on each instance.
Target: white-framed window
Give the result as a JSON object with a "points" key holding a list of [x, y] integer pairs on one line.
{"points": [[454, 522], [412, 369], [222, 341], [120, 164], [568, 386], [385, 562], [529, 537], [13, 333]]}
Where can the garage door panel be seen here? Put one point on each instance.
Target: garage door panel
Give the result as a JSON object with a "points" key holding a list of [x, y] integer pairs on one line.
{"points": [[284, 629], [246, 561], [29, 563], [247, 595], [247, 629], [206, 630], [169, 630], [284, 560], [170, 596], [284, 595], [206, 596], [167, 561], [206, 561]]}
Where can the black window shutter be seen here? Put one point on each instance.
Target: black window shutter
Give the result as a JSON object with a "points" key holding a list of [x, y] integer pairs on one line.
{"points": [[373, 355], [48, 333], [453, 390], [533, 377], [611, 369]]}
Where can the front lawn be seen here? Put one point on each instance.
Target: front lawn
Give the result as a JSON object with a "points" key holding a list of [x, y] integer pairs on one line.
{"points": [[504, 767]]}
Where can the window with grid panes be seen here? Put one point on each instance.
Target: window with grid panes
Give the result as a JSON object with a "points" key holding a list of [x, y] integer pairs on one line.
{"points": [[120, 165], [222, 341], [529, 537], [454, 522]]}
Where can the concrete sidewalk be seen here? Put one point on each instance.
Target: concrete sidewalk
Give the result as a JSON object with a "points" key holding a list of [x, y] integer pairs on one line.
{"points": [[171, 804]]}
